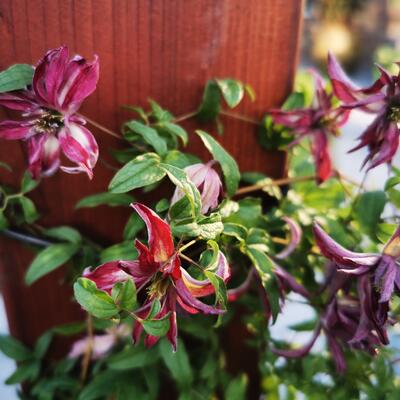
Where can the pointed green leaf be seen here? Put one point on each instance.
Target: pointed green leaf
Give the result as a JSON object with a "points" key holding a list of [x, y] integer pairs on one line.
{"points": [[106, 198], [231, 90], [18, 76]]}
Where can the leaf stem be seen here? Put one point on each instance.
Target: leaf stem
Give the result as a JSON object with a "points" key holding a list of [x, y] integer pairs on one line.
{"points": [[184, 117], [101, 127], [89, 348], [240, 117], [278, 182]]}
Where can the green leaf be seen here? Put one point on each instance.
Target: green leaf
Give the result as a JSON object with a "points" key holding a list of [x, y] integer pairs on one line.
{"points": [[142, 171], [264, 267], [134, 225], [162, 205], [205, 227], [368, 209], [228, 164], [94, 301], [385, 231], [72, 328], [231, 90], [239, 232], [181, 180], [48, 260], [176, 130], [179, 159], [249, 213], [159, 113], [177, 363], [29, 209], [391, 182], [106, 198], [65, 233], [120, 251], [156, 327], [28, 183], [236, 389], [24, 373], [210, 105], [43, 344], [18, 76], [294, 100], [101, 385], [149, 135], [155, 309], [124, 295], [3, 221], [304, 326], [133, 357], [14, 349]]}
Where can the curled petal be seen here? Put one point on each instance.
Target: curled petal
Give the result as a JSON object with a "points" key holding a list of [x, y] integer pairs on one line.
{"points": [[20, 100], [302, 351], [13, 130], [106, 275], [207, 180], [322, 159], [295, 238], [79, 145], [200, 288], [160, 240], [337, 354], [44, 155], [188, 299], [392, 247], [345, 258], [289, 282], [234, 294], [384, 279]]}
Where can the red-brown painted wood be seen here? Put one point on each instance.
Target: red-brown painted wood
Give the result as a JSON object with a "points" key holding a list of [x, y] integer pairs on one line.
{"points": [[160, 49]]}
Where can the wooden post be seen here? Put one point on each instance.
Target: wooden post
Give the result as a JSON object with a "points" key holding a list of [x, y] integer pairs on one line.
{"points": [[160, 49]]}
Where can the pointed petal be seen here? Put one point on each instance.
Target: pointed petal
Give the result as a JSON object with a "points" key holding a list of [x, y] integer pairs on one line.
{"points": [[79, 145], [106, 275], [19, 100], [335, 252], [322, 159], [187, 298], [289, 282], [79, 81], [201, 288], [13, 130], [235, 293], [337, 354], [49, 74], [300, 352], [44, 155], [160, 240], [295, 238]]}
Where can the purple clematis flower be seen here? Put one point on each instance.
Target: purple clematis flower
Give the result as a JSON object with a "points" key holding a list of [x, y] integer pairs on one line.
{"points": [[318, 122], [51, 124], [381, 98], [347, 321], [207, 180], [158, 270], [384, 267]]}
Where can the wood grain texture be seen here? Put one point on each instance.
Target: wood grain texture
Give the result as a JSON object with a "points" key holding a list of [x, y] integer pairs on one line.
{"points": [[160, 49]]}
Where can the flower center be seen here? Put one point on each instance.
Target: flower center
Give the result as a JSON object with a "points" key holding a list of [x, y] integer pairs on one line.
{"points": [[159, 286], [49, 122], [394, 113]]}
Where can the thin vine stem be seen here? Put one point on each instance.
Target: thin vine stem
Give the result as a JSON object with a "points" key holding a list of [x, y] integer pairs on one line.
{"points": [[101, 127], [89, 349], [277, 182]]}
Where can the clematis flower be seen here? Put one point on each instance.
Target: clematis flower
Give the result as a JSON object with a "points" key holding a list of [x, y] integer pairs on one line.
{"points": [[384, 267], [347, 321], [318, 122], [49, 106], [158, 270], [207, 180], [381, 98], [100, 344]]}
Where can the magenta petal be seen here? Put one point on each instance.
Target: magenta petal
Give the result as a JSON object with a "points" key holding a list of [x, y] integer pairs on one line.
{"points": [[289, 282], [13, 130], [337, 354], [389, 146], [79, 145], [20, 100], [80, 80], [322, 159], [49, 75], [302, 351], [335, 252], [384, 279], [235, 293], [106, 275], [160, 240], [187, 298], [295, 238], [43, 154]]}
